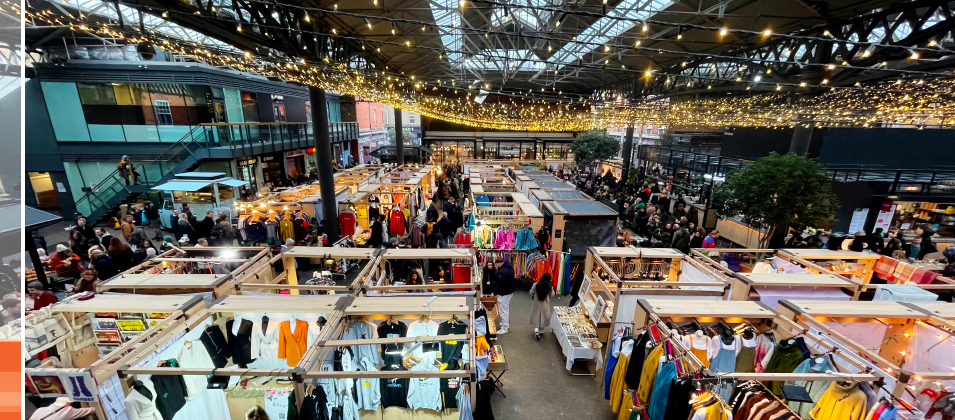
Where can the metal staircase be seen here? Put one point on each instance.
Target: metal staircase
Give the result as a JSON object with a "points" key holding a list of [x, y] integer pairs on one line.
{"points": [[112, 192]]}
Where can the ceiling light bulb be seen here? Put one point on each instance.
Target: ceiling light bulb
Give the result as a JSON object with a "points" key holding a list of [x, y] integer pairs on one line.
{"points": [[374, 2], [778, 87], [645, 27], [831, 67], [915, 56], [424, 28], [606, 48], [548, 48], [679, 36], [932, 43], [335, 31], [408, 43], [462, 3], [866, 53], [758, 78], [802, 84], [767, 32], [606, 62], [637, 44], [724, 31], [335, 6], [238, 28], [825, 33], [825, 81], [307, 19]]}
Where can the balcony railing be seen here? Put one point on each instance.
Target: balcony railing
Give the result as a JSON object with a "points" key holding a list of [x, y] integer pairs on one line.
{"points": [[258, 134]]}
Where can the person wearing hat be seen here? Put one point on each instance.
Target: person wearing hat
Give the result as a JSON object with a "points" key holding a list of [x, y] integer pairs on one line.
{"points": [[41, 298], [104, 265], [125, 168], [65, 262], [167, 244]]}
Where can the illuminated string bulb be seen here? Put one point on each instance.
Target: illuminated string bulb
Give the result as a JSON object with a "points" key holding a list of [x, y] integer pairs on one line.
{"points": [[767, 32], [645, 27], [914, 56], [724, 31]]}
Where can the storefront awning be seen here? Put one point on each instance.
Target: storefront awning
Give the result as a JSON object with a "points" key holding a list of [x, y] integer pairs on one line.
{"points": [[182, 186], [36, 219], [234, 182]]}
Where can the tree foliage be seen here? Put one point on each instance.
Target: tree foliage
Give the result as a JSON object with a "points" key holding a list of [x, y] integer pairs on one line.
{"points": [[592, 147], [407, 135], [776, 191]]}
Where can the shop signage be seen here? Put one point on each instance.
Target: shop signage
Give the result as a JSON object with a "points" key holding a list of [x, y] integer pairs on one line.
{"points": [[249, 161], [299, 152], [509, 152], [310, 150], [268, 158]]}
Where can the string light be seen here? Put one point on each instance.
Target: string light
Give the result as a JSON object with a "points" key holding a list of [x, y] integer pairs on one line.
{"points": [[908, 104], [724, 31]]}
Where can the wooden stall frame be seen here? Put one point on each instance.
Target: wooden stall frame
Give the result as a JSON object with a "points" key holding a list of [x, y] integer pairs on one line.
{"points": [[218, 284], [413, 254], [291, 276], [810, 312]]}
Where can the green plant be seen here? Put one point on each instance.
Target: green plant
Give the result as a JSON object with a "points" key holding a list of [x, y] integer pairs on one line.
{"points": [[776, 191], [592, 147], [407, 135]]}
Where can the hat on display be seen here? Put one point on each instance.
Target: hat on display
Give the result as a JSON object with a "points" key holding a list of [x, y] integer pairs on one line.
{"points": [[61, 248]]}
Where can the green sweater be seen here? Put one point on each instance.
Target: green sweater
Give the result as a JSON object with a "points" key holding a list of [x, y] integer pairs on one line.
{"points": [[785, 360]]}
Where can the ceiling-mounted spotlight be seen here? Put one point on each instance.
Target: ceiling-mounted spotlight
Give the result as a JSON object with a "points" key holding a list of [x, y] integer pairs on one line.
{"points": [[645, 26], [368, 23], [679, 34], [557, 23]]}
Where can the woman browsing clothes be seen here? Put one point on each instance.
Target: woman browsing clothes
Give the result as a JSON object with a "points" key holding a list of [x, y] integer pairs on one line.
{"points": [[542, 311]]}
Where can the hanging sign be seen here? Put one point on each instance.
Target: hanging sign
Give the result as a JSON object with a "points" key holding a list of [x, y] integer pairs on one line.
{"points": [[79, 386], [294, 153]]}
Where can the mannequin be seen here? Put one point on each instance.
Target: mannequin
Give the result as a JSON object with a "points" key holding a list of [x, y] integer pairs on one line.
{"points": [[61, 410], [140, 404]]}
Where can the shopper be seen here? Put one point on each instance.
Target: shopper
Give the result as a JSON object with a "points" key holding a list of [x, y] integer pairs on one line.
{"points": [[41, 298], [125, 168], [127, 227], [224, 231], [87, 282], [504, 290], [488, 278], [11, 310], [65, 262], [928, 247], [137, 238], [710, 240], [104, 265], [121, 254], [185, 228], [206, 225], [84, 228], [78, 244], [681, 239], [696, 241], [377, 235], [542, 311]]}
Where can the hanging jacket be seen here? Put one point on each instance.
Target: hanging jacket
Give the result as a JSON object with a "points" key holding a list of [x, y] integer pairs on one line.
{"points": [[397, 223], [314, 407], [286, 230], [504, 239], [217, 346], [292, 345], [525, 240]]}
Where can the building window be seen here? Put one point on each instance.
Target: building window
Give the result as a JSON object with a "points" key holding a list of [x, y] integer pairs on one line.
{"points": [[374, 120], [411, 118], [163, 112]]}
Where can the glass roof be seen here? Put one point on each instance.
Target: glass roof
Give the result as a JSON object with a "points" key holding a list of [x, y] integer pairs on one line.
{"points": [[609, 27], [504, 59], [154, 23]]}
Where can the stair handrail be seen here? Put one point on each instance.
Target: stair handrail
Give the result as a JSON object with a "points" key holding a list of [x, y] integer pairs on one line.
{"points": [[114, 177]]}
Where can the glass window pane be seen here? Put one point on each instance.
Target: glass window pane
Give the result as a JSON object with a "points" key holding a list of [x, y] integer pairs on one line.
{"points": [[96, 94], [123, 94]]}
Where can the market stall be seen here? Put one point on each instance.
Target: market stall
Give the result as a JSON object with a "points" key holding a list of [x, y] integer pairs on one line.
{"points": [[204, 260], [423, 344], [745, 346], [492, 184], [382, 199], [530, 185], [202, 191], [557, 194], [909, 344], [92, 339], [241, 352], [432, 272], [313, 270], [580, 224], [617, 277], [856, 266], [505, 210]]}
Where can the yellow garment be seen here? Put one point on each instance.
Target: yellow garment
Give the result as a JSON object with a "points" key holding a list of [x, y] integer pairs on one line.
{"points": [[480, 345], [286, 230], [650, 367], [625, 407], [840, 402], [617, 384], [292, 346], [717, 411], [407, 214], [700, 354]]}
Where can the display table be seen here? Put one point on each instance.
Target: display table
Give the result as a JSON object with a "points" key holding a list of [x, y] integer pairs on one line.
{"points": [[497, 363], [575, 333]]}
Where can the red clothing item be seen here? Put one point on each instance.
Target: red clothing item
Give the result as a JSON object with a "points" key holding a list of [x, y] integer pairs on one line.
{"points": [[58, 263], [347, 223], [46, 299], [397, 223]]}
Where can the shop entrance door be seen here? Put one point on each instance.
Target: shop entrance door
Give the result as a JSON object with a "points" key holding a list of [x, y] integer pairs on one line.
{"points": [[42, 185]]}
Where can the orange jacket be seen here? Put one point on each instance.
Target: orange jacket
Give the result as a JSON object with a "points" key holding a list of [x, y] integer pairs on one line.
{"points": [[292, 346]]}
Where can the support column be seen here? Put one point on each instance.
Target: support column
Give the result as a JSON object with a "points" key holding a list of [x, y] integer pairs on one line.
{"points": [[399, 138], [323, 160], [802, 136], [35, 259], [627, 155]]}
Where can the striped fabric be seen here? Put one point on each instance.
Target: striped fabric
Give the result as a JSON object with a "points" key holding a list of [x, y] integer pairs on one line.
{"points": [[923, 276], [904, 272]]}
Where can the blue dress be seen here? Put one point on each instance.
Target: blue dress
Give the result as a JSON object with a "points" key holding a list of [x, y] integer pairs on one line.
{"points": [[611, 364], [661, 392]]}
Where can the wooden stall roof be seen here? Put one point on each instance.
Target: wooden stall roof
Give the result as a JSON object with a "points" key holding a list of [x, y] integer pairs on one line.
{"points": [[409, 305], [528, 209], [277, 304], [164, 281], [658, 253], [334, 252], [942, 310], [707, 308], [129, 303], [854, 309], [615, 251], [812, 280], [440, 253], [828, 254]]}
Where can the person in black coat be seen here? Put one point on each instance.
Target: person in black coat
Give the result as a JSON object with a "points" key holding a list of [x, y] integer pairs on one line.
{"points": [[376, 234], [446, 228], [206, 225], [103, 264], [488, 278], [504, 290]]}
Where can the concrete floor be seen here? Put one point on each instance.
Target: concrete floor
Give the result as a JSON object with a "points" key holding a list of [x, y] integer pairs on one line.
{"points": [[536, 383]]}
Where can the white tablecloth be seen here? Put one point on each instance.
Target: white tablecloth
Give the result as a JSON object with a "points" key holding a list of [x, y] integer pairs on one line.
{"points": [[570, 352]]}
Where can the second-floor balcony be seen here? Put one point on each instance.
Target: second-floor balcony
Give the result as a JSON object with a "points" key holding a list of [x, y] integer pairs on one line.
{"points": [[245, 139]]}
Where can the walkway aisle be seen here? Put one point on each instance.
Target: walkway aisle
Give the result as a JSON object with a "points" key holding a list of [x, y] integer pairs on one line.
{"points": [[536, 384]]}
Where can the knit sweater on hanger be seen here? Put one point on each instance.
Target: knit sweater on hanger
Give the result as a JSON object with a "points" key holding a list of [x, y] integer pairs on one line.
{"points": [[842, 401]]}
